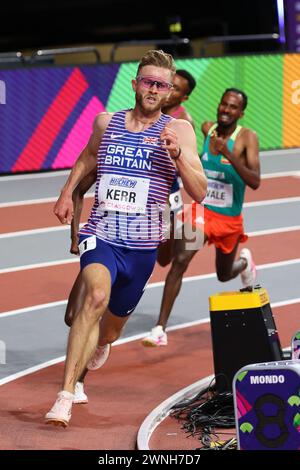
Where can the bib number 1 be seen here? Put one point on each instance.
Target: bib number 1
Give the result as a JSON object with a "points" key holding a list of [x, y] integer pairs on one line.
{"points": [[87, 244]]}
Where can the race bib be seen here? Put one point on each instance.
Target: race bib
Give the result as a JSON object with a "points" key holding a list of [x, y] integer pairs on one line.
{"points": [[123, 193], [175, 200], [87, 244], [219, 194]]}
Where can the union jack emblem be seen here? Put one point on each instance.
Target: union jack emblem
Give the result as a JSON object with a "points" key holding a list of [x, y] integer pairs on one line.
{"points": [[150, 140]]}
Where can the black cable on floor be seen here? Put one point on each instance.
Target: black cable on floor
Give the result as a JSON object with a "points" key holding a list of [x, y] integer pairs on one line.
{"points": [[205, 412]]}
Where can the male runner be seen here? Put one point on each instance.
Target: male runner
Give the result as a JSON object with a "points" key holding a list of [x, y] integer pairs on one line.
{"points": [[136, 153], [230, 161], [183, 85]]}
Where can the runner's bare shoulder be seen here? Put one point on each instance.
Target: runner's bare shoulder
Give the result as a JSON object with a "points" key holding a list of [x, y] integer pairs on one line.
{"points": [[179, 125], [101, 122], [205, 126], [247, 135]]}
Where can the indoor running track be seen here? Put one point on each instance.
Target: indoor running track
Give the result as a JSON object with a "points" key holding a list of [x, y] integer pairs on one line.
{"points": [[36, 274]]}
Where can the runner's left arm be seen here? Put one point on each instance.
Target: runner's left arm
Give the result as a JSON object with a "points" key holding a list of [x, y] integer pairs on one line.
{"points": [[78, 197], [179, 138]]}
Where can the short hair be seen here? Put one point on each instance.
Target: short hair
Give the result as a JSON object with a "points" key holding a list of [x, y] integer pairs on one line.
{"points": [[189, 77], [158, 59], [238, 92]]}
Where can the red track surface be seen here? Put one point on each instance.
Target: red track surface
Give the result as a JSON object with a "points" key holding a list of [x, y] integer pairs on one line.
{"points": [[169, 435], [42, 285], [135, 380], [41, 215]]}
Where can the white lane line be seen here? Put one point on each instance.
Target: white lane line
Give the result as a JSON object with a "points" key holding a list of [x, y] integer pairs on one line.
{"points": [[136, 337], [60, 303], [200, 277], [29, 202], [47, 264], [54, 174], [272, 231], [33, 309], [57, 228], [269, 153], [153, 285], [65, 227], [280, 174], [283, 303], [264, 176], [278, 264], [271, 202], [31, 370], [90, 195], [35, 231], [29, 176]]}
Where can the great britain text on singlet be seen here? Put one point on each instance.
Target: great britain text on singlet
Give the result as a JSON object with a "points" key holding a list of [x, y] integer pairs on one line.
{"points": [[128, 157]]}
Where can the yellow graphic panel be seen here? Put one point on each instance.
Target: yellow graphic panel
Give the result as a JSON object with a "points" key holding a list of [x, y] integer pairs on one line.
{"points": [[291, 100]]}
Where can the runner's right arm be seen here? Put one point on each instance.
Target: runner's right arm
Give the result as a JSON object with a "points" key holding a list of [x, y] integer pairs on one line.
{"points": [[78, 196], [205, 127], [179, 139], [187, 117], [86, 162]]}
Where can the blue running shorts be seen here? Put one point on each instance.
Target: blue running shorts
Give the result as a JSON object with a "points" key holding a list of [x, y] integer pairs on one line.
{"points": [[130, 271]]}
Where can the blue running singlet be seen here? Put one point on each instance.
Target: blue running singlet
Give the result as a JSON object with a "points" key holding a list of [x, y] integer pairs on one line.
{"points": [[134, 178]]}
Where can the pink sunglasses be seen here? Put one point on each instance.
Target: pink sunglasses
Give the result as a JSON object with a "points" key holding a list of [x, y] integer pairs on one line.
{"points": [[148, 82]]}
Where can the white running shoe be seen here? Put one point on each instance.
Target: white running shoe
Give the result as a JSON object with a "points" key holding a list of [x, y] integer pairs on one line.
{"points": [[79, 396], [248, 276], [60, 413], [99, 358], [157, 337]]}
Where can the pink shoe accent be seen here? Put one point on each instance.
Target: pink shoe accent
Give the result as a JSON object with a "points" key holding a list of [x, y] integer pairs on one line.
{"points": [[99, 358], [60, 413], [157, 337]]}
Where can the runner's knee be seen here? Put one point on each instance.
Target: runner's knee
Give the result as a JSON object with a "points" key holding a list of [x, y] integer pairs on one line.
{"points": [[181, 262], [96, 302]]}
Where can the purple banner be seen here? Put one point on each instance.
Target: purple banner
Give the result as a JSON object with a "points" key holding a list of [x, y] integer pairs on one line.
{"points": [[292, 11], [47, 114]]}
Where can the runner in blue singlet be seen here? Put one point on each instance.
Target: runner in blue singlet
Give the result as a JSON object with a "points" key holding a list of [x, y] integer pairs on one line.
{"points": [[136, 153]]}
